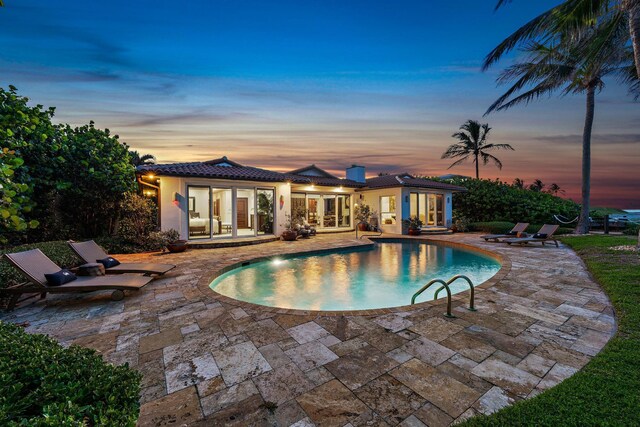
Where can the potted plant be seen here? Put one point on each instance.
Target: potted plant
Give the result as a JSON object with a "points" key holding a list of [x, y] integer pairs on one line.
{"points": [[362, 215], [413, 225], [289, 234], [172, 241]]}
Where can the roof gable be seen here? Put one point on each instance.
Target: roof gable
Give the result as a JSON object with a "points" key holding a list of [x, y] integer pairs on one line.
{"points": [[313, 170]]}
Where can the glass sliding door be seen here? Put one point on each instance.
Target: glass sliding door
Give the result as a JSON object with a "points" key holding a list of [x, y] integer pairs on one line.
{"points": [[439, 209], [344, 210], [422, 207], [329, 214], [265, 211], [413, 205], [199, 210], [432, 210], [245, 212], [222, 208], [313, 212]]}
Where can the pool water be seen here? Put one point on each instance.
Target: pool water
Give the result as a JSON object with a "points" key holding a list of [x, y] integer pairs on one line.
{"points": [[385, 275]]}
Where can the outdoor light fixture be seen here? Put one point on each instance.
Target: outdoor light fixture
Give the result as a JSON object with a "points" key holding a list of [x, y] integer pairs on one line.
{"points": [[150, 176], [175, 199]]}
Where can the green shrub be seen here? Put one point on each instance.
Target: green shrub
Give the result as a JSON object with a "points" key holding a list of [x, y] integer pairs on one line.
{"points": [[631, 230], [45, 384], [489, 200], [58, 251]]}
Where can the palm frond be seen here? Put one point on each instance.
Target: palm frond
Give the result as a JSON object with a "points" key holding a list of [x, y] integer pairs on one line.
{"points": [[456, 163]]}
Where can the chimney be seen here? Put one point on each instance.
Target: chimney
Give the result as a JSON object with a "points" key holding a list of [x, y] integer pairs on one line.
{"points": [[356, 173]]}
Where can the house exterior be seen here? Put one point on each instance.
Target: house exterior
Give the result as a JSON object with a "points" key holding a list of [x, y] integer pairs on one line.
{"points": [[223, 199]]}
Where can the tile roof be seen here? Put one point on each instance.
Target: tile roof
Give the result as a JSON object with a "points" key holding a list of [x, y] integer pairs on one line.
{"points": [[222, 168], [407, 180]]}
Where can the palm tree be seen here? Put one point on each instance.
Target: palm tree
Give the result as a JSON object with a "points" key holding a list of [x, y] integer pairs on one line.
{"points": [[537, 186], [573, 14], [518, 183], [473, 143], [139, 160], [558, 65], [555, 189]]}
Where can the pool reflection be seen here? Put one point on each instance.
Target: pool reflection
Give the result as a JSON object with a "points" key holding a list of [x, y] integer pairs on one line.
{"points": [[384, 276]]}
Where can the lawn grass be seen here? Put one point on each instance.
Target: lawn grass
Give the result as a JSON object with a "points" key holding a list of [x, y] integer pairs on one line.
{"points": [[606, 392]]}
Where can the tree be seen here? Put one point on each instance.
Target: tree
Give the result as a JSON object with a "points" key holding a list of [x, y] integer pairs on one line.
{"points": [[537, 185], [558, 65], [139, 160], [473, 143], [571, 15], [518, 183]]}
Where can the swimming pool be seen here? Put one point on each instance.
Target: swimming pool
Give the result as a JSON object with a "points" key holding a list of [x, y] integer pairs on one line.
{"points": [[384, 275]]}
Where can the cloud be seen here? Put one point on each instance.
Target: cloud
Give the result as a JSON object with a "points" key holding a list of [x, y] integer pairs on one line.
{"points": [[610, 138]]}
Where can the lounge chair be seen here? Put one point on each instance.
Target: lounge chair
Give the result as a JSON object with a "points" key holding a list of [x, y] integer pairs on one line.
{"points": [[518, 228], [89, 251], [545, 234], [34, 265]]}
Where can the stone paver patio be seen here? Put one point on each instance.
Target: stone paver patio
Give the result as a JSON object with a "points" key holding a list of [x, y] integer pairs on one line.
{"points": [[207, 360]]}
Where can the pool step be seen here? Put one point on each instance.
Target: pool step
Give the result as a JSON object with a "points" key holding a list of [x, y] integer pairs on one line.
{"points": [[432, 231]]}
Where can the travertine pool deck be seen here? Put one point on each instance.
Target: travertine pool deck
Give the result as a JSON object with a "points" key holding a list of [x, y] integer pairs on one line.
{"points": [[208, 361]]}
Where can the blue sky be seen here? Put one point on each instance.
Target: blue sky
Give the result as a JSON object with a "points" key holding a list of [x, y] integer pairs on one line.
{"points": [[283, 84]]}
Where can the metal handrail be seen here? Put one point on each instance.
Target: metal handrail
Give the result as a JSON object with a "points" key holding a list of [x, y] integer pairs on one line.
{"points": [[378, 230], [444, 285], [471, 287]]}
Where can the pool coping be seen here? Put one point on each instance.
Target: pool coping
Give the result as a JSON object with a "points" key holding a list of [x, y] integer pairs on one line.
{"points": [[505, 268]]}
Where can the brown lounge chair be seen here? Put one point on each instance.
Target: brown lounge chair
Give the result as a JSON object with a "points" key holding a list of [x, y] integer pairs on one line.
{"points": [[89, 251], [518, 228], [547, 230], [34, 265]]}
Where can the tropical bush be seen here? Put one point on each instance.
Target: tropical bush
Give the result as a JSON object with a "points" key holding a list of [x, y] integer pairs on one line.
{"points": [[488, 201], [70, 179], [45, 384], [632, 230], [138, 218]]}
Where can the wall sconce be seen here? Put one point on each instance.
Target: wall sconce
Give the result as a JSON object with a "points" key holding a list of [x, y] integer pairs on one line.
{"points": [[175, 199], [448, 200], [406, 198]]}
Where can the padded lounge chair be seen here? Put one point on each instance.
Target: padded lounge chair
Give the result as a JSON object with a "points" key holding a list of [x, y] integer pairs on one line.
{"points": [[34, 265], [547, 231], [89, 251], [518, 228]]}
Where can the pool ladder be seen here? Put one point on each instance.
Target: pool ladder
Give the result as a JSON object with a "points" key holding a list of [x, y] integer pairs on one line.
{"points": [[445, 286]]}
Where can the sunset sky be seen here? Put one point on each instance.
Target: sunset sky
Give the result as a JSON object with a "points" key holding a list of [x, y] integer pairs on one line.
{"points": [[284, 84]]}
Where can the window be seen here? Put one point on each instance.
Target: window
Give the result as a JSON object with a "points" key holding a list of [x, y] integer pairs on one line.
{"points": [[323, 210], [428, 207], [388, 210]]}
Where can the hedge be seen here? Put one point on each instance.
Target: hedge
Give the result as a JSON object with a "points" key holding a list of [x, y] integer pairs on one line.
{"points": [[45, 384], [489, 200]]}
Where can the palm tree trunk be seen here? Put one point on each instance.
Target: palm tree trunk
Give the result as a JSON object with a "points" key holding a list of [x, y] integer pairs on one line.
{"points": [[477, 166], [583, 224], [632, 8]]}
